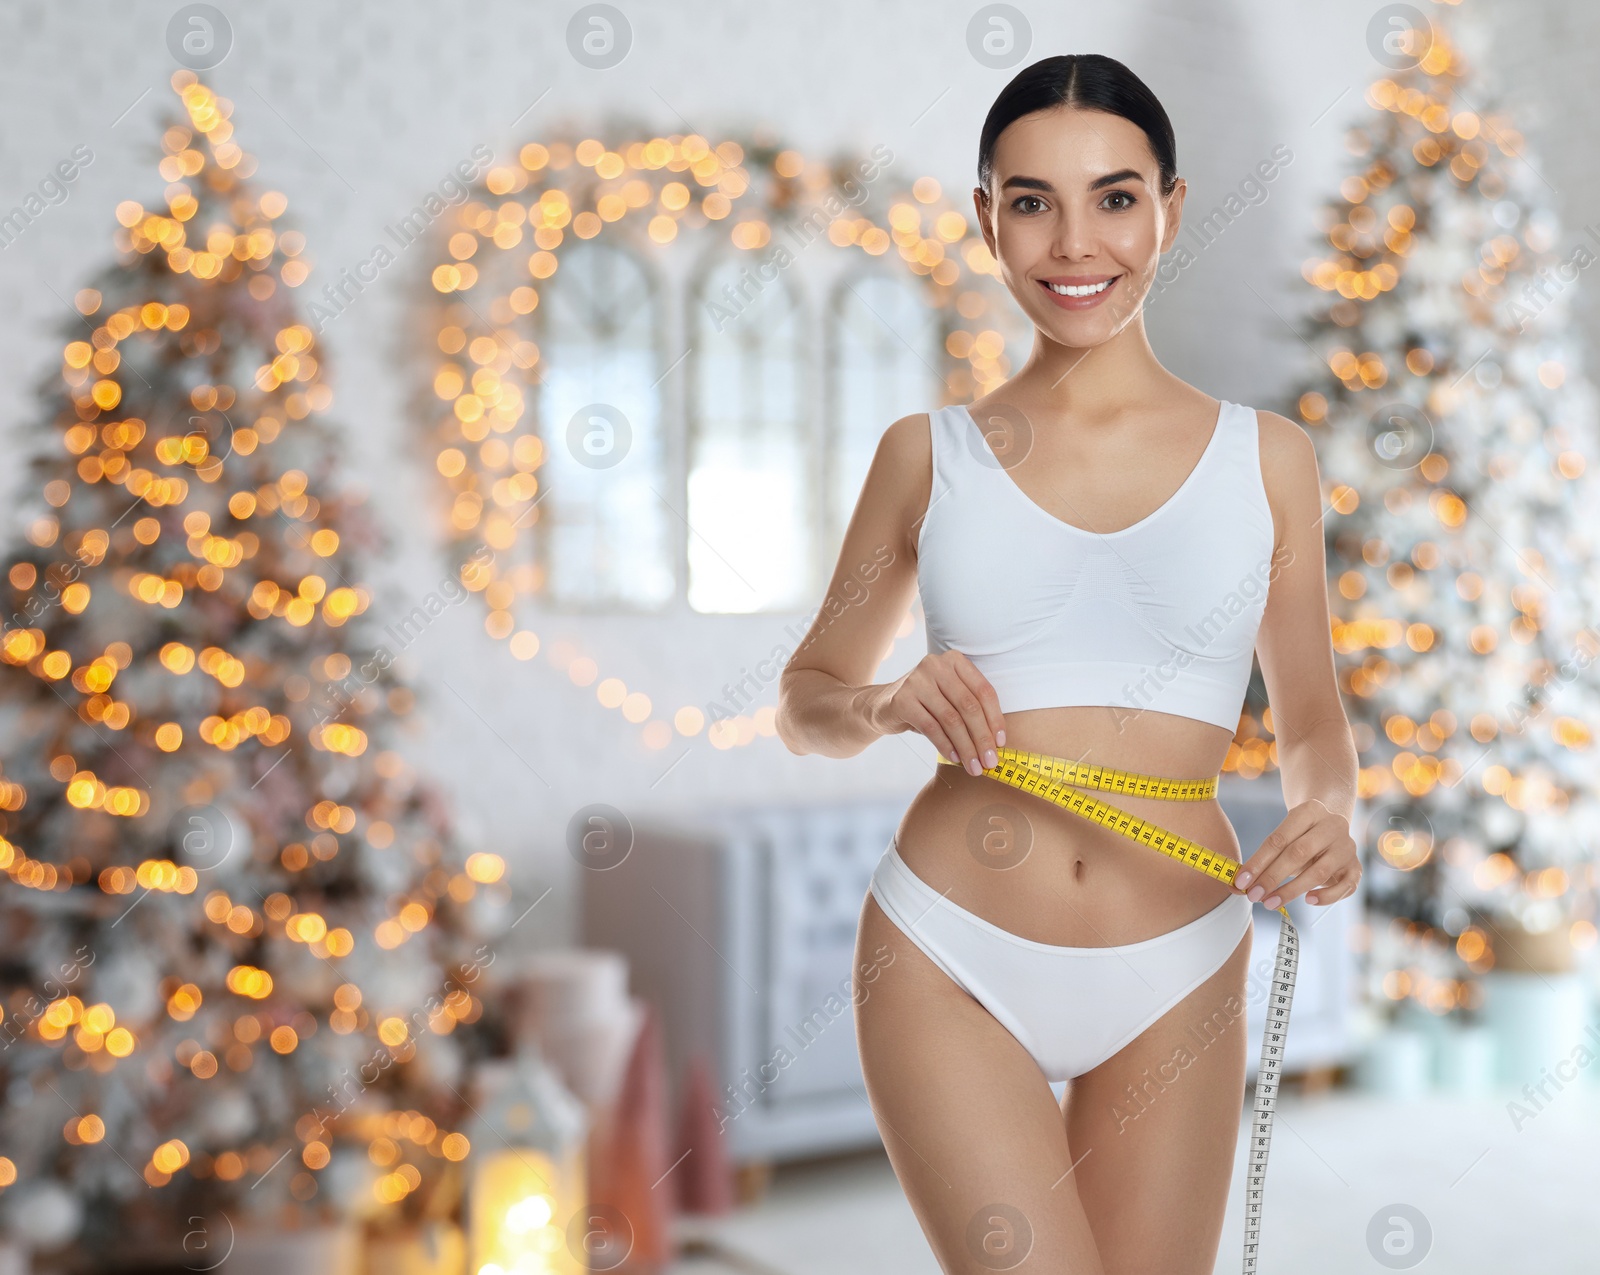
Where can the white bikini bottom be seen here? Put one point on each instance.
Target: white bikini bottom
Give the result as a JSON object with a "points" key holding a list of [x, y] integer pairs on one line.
{"points": [[1071, 1008]]}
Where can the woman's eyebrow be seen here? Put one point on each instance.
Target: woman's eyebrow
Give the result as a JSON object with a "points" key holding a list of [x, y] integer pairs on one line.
{"points": [[1038, 183], [1111, 179]]}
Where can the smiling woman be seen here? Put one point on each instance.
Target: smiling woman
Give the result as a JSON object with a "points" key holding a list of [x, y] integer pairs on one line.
{"points": [[1101, 550]]}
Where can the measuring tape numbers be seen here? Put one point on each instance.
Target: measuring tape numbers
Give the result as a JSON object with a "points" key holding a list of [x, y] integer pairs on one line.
{"points": [[1058, 780]]}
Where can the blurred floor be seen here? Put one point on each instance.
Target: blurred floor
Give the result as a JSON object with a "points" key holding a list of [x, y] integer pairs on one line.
{"points": [[1497, 1199]]}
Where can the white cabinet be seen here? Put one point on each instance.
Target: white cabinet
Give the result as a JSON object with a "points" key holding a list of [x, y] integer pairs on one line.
{"points": [[742, 929]]}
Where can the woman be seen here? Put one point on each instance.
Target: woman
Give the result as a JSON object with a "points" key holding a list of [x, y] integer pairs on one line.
{"points": [[1099, 548]]}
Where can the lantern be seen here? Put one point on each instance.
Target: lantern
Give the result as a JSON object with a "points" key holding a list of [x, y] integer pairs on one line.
{"points": [[527, 1167]]}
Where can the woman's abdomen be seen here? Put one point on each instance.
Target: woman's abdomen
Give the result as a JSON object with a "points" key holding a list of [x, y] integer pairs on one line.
{"points": [[1051, 876]]}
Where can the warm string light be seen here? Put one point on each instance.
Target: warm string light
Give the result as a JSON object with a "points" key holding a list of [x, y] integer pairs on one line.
{"points": [[524, 213]]}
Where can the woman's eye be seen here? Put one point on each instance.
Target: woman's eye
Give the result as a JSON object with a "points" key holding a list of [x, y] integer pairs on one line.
{"points": [[1121, 194], [1027, 199]]}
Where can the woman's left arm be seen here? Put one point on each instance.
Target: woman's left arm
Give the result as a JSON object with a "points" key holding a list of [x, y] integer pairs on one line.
{"points": [[1312, 849]]}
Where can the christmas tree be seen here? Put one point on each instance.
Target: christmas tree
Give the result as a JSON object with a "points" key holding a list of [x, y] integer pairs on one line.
{"points": [[236, 948], [1453, 423]]}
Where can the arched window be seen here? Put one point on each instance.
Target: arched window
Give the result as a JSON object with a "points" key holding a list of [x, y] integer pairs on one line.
{"points": [[752, 478], [886, 348], [606, 535]]}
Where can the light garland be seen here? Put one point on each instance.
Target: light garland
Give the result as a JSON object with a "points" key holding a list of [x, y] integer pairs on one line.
{"points": [[674, 184]]}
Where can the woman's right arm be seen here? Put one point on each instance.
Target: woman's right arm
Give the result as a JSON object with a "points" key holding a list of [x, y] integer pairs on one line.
{"points": [[827, 702]]}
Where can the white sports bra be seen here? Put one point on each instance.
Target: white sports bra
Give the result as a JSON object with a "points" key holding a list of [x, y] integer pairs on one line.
{"points": [[1161, 615]]}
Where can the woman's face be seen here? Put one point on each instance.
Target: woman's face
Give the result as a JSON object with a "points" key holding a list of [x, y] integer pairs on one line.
{"points": [[1077, 202]]}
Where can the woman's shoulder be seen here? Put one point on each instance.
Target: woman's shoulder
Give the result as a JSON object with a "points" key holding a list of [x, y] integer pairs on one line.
{"points": [[1289, 472], [901, 474], [1285, 446], [906, 445]]}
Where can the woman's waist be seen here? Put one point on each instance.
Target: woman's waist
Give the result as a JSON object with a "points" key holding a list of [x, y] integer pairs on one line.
{"points": [[957, 808], [1053, 876], [1140, 741]]}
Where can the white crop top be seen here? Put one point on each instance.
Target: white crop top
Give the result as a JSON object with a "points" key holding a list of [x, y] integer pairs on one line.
{"points": [[1161, 615]]}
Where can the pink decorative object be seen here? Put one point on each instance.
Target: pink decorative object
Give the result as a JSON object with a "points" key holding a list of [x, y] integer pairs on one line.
{"points": [[704, 1175], [631, 1159]]}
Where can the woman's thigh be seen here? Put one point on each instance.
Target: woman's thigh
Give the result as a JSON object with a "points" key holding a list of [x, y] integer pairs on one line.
{"points": [[1158, 1122], [971, 1126]]}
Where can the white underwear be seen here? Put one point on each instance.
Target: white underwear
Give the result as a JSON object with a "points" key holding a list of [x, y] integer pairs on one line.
{"points": [[1071, 1008]]}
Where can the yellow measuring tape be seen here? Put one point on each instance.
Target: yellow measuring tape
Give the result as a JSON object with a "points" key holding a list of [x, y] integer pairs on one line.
{"points": [[1049, 777], [1055, 779]]}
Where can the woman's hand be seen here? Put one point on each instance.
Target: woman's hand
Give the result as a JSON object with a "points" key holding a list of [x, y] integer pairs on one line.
{"points": [[947, 700], [1312, 849]]}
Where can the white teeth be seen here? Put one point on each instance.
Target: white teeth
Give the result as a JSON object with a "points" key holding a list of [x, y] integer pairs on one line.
{"points": [[1068, 290]]}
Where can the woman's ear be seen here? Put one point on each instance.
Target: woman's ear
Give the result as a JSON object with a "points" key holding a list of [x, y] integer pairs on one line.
{"points": [[1172, 207], [980, 204]]}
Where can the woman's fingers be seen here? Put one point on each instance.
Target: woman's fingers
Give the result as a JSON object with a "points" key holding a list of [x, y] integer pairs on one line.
{"points": [[980, 709], [963, 749], [929, 727], [940, 741], [1287, 876], [1340, 886], [947, 699], [1318, 870], [1305, 850], [964, 690], [1279, 852], [988, 721]]}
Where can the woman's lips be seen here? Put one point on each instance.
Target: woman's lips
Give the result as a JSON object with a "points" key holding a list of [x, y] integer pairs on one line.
{"points": [[1080, 303]]}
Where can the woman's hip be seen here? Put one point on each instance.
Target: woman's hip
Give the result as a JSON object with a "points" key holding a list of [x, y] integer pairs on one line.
{"points": [[1071, 1007]]}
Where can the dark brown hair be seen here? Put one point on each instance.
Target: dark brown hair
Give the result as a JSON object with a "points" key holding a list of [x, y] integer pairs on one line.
{"points": [[1091, 82]]}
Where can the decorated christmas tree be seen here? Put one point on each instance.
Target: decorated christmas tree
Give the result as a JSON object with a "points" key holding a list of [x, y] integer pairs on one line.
{"points": [[236, 948], [1454, 428]]}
